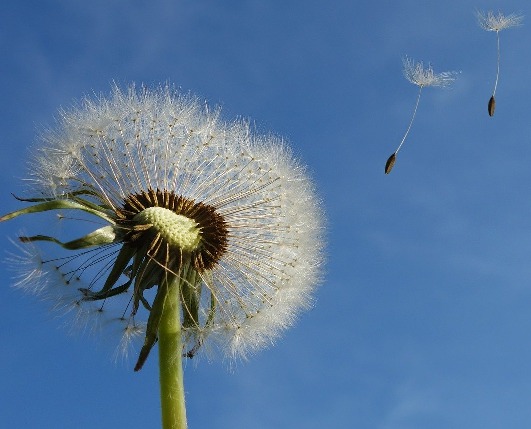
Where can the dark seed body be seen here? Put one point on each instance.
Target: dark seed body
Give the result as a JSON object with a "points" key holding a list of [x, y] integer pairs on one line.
{"points": [[390, 163], [492, 106]]}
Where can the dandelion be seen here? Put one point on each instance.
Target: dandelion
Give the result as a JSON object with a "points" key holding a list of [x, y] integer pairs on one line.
{"points": [[491, 22], [211, 233], [422, 77]]}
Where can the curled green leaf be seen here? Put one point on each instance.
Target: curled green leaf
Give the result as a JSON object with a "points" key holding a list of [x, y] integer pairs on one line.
{"points": [[61, 204], [100, 237]]}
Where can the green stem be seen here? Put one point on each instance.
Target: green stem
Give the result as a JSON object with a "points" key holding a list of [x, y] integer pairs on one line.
{"points": [[170, 361]]}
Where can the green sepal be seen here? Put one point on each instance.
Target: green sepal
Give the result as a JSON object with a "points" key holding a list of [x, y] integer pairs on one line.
{"points": [[96, 296], [209, 320], [147, 275], [191, 296], [68, 196], [153, 322], [118, 268], [61, 204], [93, 206], [212, 310], [99, 237]]}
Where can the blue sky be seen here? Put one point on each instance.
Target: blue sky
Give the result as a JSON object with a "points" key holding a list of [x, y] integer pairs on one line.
{"points": [[423, 320]]}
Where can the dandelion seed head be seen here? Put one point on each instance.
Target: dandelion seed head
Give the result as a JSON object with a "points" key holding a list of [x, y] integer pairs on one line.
{"points": [[490, 21], [417, 74], [230, 213]]}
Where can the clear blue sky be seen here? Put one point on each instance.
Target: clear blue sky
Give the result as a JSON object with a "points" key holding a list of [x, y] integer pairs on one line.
{"points": [[424, 319]]}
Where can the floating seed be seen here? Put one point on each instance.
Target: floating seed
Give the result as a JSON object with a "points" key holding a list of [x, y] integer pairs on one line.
{"points": [[492, 106], [390, 163]]}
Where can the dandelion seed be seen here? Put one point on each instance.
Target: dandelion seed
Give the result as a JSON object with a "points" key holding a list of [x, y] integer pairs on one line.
{"points": [[211, 234], [418, 75], [492, 22], [390, 163], [492, 105]]}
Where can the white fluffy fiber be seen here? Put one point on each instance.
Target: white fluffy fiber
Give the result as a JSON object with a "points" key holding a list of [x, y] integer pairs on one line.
{"points": [[138, 139]]}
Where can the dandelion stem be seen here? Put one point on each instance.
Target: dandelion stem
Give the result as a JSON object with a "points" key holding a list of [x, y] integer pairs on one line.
{"points": [[170, 360], [410, 122], [498, 64]]}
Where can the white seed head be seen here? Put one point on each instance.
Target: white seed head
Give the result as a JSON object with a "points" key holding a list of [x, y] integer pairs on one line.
{"points": [[489, 21], [417, 74], [141, 140]]}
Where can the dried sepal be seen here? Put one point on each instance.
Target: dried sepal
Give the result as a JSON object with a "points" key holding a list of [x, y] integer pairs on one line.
{"points": [[390, 163], [492, 105]]}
